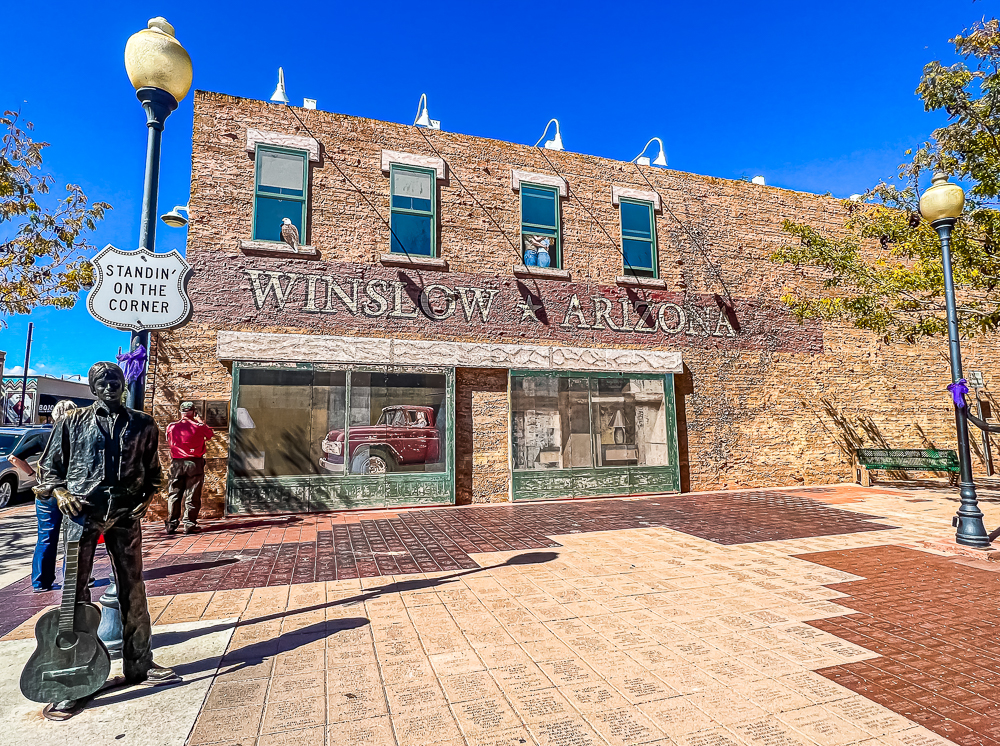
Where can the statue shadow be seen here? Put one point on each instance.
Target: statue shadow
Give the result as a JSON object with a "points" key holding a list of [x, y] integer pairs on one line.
{"points": [[165, 571], [255, 654]]}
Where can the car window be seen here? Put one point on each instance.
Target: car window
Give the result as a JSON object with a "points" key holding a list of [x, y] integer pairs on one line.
{"points": [[398, 419], [7, 442], [32, 445]]}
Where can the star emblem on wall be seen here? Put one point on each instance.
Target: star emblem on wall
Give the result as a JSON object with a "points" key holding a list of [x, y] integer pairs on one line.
{"points": [[528, 309]]}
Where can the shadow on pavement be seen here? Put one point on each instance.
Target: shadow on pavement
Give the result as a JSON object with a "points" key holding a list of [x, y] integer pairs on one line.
{"points": [[167, 570], [256, 653]]}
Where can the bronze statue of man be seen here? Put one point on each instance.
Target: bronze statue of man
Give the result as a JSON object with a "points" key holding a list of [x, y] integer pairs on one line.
{"points": [[101, 461]]}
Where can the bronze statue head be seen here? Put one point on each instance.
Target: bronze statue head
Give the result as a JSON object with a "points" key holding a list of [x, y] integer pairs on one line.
{"points": [[107, 382]]}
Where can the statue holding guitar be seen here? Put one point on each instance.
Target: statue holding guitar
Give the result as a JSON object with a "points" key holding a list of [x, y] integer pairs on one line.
{"points": [[101, 465]]}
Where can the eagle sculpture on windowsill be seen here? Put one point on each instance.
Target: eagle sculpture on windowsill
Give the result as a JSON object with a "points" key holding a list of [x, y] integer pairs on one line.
{"points": [[290, 234]]}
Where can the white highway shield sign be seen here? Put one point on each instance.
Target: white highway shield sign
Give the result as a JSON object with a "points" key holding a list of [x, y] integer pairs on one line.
{"points": [[140, 289]]}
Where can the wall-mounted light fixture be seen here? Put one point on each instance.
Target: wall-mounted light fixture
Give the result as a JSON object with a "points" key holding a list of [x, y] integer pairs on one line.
{"points": [[556, 142], [174, 218], [423, 117], [661, 157], [279, 94]]}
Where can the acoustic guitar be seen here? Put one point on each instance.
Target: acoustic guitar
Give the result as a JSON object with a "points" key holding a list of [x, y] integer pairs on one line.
{"points": [[70, 661]]}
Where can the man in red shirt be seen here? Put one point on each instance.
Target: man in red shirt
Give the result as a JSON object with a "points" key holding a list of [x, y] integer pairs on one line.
{"points": [[187, 439]]}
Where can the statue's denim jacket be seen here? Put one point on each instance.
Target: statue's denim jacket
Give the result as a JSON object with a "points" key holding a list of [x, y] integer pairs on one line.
{"points": [[74, 459]]}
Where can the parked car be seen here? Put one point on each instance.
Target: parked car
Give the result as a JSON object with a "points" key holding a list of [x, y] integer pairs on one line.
{"points": [[404, 435], [20, 449]]}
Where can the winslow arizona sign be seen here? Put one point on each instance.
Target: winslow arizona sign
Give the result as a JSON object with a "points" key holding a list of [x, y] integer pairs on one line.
{"points": [[140, 289]]}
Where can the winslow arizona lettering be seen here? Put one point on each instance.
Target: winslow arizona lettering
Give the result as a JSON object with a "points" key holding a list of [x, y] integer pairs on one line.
{"points": [[379, 298]]}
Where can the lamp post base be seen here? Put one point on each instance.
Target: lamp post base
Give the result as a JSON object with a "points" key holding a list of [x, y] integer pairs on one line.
{"points": [[969, 520]]}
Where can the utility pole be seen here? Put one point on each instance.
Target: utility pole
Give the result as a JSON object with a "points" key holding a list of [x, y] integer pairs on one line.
{"points": [[24, 376]]}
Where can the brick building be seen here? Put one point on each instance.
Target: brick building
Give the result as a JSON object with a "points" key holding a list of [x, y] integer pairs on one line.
{"points": [[468, 320]]}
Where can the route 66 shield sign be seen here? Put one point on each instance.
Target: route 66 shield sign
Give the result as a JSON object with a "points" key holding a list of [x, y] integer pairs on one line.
{"points": [[140, 289]]}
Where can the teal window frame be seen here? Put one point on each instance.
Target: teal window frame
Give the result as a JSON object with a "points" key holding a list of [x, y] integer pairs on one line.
{"points": [[595, 481], [323, 493], [653, 271], [258, 194], [432, 213], [540, 230]]}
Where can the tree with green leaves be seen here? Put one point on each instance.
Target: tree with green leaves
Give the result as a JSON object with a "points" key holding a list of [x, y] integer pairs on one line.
{"points": [[883, 273], [43, 244]]}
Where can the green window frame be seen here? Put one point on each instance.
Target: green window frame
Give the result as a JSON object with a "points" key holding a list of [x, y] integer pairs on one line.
{"points": [[533, 222], [638, 233], [413, 219], [283, 199]]}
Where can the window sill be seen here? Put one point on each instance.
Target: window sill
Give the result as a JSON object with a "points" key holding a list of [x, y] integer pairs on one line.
{"points": [[649, 283], [414, 262], [541, 273], [277, 248]]}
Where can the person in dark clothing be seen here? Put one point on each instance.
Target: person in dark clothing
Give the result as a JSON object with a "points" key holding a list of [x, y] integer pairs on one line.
{"points": [[101, 461], [187, 439], [43, 562]]}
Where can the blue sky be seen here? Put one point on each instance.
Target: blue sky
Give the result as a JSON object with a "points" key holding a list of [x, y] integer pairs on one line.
{"points": [[816, 97]]}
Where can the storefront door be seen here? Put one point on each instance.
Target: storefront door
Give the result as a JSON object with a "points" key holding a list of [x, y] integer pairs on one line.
{"points": [[315, 438], [585, 435]]}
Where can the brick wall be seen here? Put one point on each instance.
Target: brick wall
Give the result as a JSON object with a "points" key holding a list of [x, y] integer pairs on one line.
{"points": [[774, 403]]}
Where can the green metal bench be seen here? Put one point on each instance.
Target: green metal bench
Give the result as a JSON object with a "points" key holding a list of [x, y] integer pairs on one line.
{"points": [[867, 460]]}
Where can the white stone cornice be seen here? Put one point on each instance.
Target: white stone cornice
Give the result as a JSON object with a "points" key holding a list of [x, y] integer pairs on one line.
{"points": [[517, 177], [320, 348], [412, 159], [296, 142], [637, 194]]}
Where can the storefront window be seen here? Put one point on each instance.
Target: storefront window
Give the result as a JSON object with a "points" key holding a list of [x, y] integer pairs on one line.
{"points": [[296, 422], [397, 422], [567, 423], [630, 426]]}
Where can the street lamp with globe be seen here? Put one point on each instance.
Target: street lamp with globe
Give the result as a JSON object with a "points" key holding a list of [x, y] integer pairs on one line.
{"points": [[941, 206], [160, 70]]}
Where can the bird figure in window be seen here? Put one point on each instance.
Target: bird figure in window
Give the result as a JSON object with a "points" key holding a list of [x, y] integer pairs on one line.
{"points": [[290, 234]]}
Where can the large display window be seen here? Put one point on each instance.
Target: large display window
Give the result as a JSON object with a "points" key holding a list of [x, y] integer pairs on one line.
{"points": [[308, 438], [575, 435]]}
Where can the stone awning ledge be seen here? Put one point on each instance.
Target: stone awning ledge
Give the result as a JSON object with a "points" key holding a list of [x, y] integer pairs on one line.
{"points": [[318, 348]]}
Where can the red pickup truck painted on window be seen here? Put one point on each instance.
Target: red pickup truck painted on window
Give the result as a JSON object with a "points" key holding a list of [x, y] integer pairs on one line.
{"points": [[403, 436]]}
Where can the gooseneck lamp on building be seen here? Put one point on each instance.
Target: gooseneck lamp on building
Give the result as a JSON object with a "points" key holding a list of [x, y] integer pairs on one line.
{"points": [[423, 118], [661, 158], [174, 218], [941, 206], [556, 142], [279, 95]]}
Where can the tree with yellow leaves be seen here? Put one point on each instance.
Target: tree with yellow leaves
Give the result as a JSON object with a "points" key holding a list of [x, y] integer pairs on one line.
{"points": [[43, 246], [884, 272]]}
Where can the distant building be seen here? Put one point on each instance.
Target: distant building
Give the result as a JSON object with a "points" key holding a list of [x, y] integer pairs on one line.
{"points": [[40, 395], [466, 320]]}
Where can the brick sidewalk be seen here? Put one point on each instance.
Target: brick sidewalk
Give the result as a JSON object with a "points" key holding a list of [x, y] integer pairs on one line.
{"points": [[729, 619]]}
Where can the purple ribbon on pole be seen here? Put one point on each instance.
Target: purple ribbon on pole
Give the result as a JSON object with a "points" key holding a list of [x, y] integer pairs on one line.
{"points": [[958, 391], [133, 363]]}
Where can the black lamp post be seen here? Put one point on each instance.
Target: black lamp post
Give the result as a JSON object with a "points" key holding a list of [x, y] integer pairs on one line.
{"points": [[160, 70], [941, 206]]}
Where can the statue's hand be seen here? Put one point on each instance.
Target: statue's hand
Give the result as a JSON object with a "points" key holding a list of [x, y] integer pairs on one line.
{"points": [[68, 503], [141, 508]]}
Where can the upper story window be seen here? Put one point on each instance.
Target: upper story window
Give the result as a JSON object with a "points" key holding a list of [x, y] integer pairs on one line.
{"points": [[280, 191], [637, 211], [414, 210], [638, 238], [413, 183], [541, 240], [540, 225]]}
